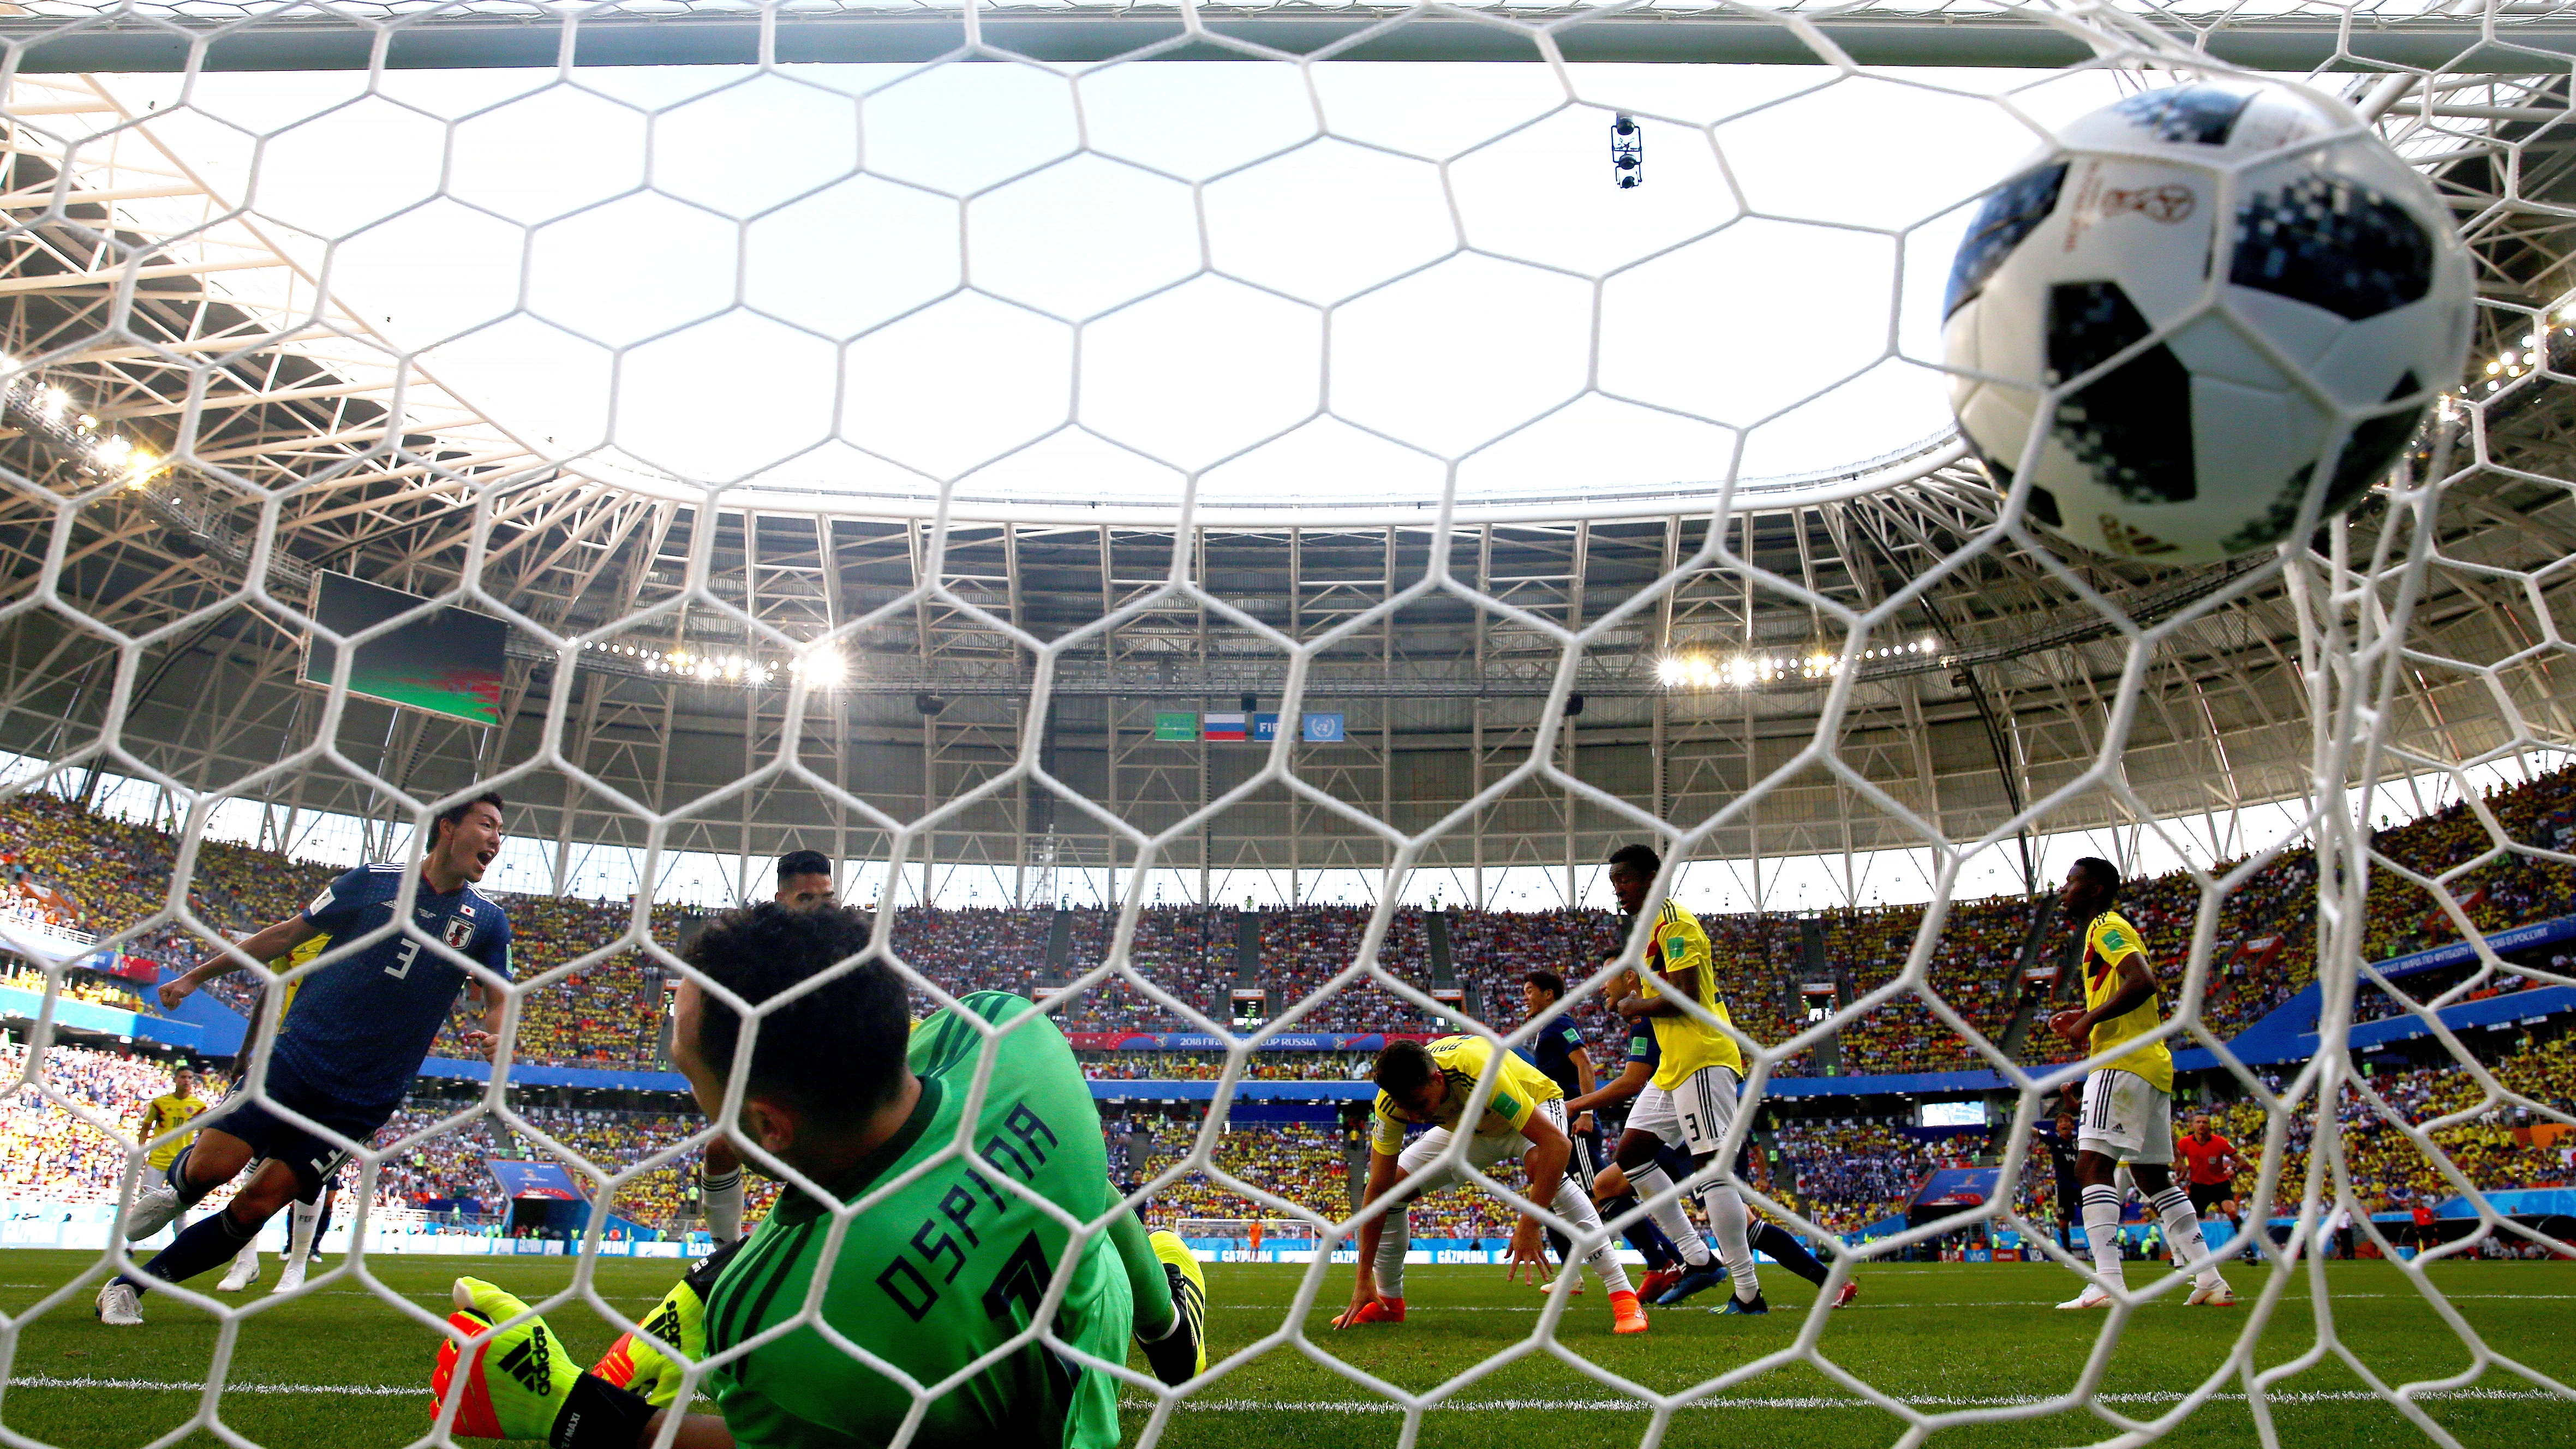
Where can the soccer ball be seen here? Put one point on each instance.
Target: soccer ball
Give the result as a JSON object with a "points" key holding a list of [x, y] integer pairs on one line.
{"points": [[2339, 311]]}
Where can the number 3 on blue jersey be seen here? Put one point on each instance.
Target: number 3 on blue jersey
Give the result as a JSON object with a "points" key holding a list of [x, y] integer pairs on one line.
{"points": [[401, 966]]}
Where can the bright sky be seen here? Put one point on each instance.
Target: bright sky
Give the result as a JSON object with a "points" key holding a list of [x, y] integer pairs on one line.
{"points": [[676, 263]]}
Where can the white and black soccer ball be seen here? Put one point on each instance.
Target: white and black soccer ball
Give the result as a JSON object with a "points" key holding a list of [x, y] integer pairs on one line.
{"points": [[2301, 372]]}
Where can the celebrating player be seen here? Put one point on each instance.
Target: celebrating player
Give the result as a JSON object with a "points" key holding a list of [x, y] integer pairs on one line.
{"points": [[1689, 1103], [2128, 1103], [1525, 1114], [946, 1269], [347, 1048]]}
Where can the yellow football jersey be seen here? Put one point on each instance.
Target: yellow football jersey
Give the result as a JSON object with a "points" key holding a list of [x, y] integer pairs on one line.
{"points": [[1680, 944], [165, 1112], [2107, 942], [1462, 1059], [289, 962]]}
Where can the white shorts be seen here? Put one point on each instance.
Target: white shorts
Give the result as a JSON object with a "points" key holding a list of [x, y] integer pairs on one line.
{"points": [[2125, 1118], [1694, 1115], [1482, 1151]]}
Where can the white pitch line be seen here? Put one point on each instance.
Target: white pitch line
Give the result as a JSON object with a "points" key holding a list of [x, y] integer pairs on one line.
{"points": [[1928, 1401], [1448, 1406], [1795, 1309], [50, 1381]]}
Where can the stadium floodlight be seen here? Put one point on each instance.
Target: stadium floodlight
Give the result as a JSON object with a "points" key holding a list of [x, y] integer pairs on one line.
{"points": [[822, 669]]}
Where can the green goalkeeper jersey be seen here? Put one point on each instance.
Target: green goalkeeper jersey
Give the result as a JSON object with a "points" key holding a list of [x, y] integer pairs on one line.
{"points": [[943, 1269]]}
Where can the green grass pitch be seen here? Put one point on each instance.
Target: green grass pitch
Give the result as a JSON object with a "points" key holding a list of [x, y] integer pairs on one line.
{"points": [[340, 1369]]}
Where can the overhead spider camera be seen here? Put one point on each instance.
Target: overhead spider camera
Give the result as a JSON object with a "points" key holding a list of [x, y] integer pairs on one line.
{"points": [[1627, 152]]}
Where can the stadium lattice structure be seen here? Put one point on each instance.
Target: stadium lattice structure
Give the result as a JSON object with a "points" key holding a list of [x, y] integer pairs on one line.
{"points": [[1914, 668]]}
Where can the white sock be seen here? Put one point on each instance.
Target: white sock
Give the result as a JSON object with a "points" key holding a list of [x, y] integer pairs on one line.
{"points": [[1392, 1244], [299, 1232], [1651, 1181], [723, 1198], [1575, 1206], [1727, 1218], [2102, 1230], [2182, 1231], [249, 1254]]}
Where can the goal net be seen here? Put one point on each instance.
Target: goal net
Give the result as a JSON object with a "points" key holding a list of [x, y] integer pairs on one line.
{"points": [[1177, 506]]}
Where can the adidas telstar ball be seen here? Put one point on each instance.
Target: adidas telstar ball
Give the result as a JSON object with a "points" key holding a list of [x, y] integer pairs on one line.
{"points": [[2204, 309]]}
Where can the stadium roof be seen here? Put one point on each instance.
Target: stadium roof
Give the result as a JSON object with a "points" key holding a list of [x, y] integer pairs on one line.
{"points": [[157, 306]]}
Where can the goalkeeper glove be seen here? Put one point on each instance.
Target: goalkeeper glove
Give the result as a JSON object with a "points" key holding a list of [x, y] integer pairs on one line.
{"points": [[519, 1385], [637, 1363]]}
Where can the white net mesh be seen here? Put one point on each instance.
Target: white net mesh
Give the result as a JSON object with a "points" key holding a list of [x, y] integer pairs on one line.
{"points": [[1107, 465]]}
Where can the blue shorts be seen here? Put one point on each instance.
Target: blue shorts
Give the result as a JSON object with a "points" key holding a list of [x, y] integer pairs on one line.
{"points": [[314, 1158]]}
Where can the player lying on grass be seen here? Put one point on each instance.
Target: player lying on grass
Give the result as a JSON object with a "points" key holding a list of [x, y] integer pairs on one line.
{"points": [[946, 1269], [347, 1048], [1525, 1115], [1618, 1199], [2128, 1104], [1689, 1102]]}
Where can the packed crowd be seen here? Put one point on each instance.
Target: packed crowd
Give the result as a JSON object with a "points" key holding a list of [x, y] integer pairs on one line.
{"points": [[1493, 951], [1303, 949], [53, 1149], [114, 873], [2503, 891], [1759, 970], [1190, 953], [2448, 986], [50, 1151], [1848, 1174], [433, 1167], [82, 986], [1306, 1163], [1208, 1066], [1975, 968], [607, 1014], [2493, 1144]]}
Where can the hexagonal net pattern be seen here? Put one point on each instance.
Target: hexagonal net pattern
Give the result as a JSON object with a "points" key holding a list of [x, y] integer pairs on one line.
{"points": [[558, 316]]}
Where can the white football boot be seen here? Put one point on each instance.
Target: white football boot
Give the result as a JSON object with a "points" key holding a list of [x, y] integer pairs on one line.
{"points": [[156, 1206], [118, 1305], [2093, 1296], [290, 1275], [244, 1271], [2211, 1291]]}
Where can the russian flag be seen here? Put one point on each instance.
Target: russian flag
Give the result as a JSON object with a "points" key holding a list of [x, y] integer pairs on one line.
{"points": [[1222, 727]]}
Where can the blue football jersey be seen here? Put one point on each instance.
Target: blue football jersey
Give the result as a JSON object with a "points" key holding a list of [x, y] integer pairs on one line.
{"points": [[1553, 1051], [360, 1024]]}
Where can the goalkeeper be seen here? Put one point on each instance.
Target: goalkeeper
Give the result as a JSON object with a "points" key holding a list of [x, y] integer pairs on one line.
{"points": [[941, 1272]]}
